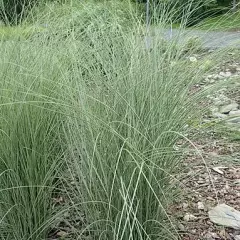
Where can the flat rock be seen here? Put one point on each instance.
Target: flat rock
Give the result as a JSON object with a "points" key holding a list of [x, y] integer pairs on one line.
{"points": [[230, 107], [234, 113], [225, 74], [235, 120], [219, 115], [225, 215], [221, 100]]}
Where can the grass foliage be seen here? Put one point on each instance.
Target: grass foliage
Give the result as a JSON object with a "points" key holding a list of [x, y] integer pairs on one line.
{"points": [[30, 138], [229, 21], [85, 102], [18, 33]]}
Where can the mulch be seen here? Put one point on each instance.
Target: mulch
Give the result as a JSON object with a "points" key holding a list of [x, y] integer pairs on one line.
{"points": [[205, 185], [211, 177]]}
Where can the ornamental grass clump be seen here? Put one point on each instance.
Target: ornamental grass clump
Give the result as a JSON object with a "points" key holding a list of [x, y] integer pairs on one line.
{"points": [[91, 110]]}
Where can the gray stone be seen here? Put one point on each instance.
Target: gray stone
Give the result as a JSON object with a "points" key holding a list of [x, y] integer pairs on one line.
{"points": [[237, 237], [235, 120], [221, 101], [230, 107], [225, 74], [219, 115], [181, 227], [189, 217], [228, 74], [212, 81], [236, 112], [225, 215], [200, 206], [222, 74]]}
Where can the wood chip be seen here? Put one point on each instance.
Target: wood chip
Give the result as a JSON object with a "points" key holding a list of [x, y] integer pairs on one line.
{"points": [[217, 169]]}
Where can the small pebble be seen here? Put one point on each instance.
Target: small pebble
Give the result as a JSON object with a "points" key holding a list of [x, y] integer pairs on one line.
{"points": [[189, 217], [200, 206]]}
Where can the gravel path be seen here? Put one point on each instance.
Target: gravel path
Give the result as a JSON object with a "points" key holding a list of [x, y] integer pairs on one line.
{"points": [[210, 40]]}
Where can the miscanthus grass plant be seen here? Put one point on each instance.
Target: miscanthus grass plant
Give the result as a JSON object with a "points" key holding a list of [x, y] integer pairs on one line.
{"points": [[30, 133], [130, 107], [89, 105]]}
